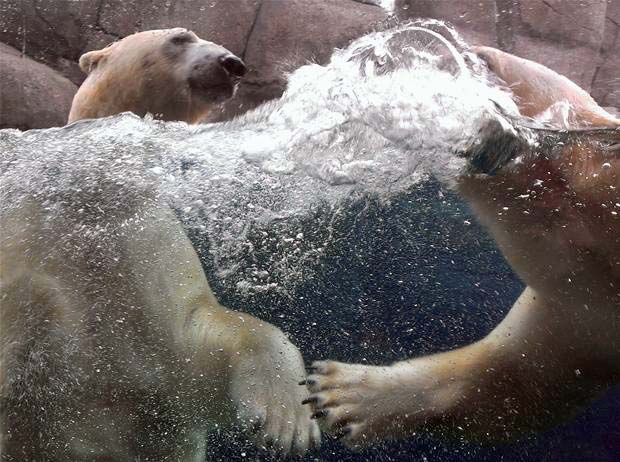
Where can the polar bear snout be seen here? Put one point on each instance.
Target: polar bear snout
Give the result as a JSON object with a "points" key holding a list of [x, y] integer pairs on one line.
{"points": [[233, 65], [214, 77]]}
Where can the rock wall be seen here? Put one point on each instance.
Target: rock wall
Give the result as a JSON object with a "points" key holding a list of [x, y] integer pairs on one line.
{"points": [[270, 35], [32, 95], [576, 38]]}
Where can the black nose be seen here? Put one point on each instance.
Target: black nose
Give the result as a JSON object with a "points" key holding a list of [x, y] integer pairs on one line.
{"points": [[233, 65]]}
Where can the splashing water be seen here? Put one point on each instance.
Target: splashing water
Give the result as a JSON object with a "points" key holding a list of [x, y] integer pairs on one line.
{"points": [[386, 112]]}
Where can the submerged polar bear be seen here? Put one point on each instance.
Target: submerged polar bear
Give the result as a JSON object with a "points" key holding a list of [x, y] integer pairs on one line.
{"points": [[113, 346], [557, 221]]}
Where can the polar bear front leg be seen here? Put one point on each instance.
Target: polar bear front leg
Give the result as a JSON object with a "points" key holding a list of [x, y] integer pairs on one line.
{"points": [[263, 370], [265, 386], [364, 404], [538, 366], [214, 356], [537, 89]]}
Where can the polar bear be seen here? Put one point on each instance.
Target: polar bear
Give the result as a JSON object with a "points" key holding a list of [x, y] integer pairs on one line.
{"points": [[171, 74], [113, 345], [557, 222]]}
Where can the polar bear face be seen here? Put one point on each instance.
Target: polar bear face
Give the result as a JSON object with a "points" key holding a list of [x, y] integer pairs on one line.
{"points": [[169, 73]]}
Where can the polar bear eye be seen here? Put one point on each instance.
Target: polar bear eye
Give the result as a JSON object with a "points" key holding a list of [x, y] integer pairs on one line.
{"points": [[182, 38]]}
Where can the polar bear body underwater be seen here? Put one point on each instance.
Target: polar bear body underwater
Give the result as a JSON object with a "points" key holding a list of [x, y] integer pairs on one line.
{"points": [[113, 345], [556, 219]]}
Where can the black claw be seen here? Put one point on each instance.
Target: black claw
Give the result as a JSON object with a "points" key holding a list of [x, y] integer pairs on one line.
{"points": [[255, 427], [303, 382], [278, 452], [342, 433], [319, 414], [311, 399], [270, 444], [310, 382], [313, 444]]}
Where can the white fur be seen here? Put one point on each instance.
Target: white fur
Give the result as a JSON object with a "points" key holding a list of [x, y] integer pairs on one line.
{"points": [[147, 337], [556, 222], [113, 346]]}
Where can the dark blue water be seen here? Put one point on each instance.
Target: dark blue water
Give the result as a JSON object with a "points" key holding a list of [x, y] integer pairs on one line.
{"points": [[410, 277]]}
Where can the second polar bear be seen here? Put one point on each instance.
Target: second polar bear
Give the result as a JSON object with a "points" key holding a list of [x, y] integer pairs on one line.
{"points": [[557, 222]]}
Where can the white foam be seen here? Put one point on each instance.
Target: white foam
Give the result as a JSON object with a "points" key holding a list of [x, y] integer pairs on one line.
{"points": [[380, 116]]}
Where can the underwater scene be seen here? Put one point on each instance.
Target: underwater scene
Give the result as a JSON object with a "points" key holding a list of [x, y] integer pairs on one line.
{"points": [[449, 256]]}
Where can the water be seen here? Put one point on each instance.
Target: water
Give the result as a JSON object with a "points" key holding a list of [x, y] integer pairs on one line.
{"points": [[363, 124], [328, 212]]}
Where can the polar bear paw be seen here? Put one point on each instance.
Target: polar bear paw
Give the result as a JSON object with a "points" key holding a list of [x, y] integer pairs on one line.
{"points": [[363, 404], [266, 391], [351, 401]]}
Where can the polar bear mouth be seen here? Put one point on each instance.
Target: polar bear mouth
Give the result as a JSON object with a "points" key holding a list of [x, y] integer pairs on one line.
{"points": [[214, 92]]}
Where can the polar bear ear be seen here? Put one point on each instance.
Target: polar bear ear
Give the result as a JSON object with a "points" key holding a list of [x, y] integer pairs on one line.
{"points": [[89, 61]]}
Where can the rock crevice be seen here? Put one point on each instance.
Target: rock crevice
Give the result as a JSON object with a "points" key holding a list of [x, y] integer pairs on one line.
{"points": [[577, 39]]}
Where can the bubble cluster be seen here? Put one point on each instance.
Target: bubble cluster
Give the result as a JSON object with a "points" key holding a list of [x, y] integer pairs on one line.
{"points": [[383, 114]]}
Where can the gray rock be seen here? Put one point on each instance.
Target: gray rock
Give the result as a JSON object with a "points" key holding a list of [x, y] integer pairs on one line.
{"points": [[606, 81], [268, 34], [474, 19], [50, 31], [32, 95], [289, 34], [576, 39]]}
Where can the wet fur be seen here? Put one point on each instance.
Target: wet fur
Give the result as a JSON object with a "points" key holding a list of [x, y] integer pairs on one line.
{"points": [[113, 345], [558, 348], [146, 73]]}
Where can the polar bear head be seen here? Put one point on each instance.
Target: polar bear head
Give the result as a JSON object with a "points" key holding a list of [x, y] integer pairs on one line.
{"points": [[169, 73]]}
